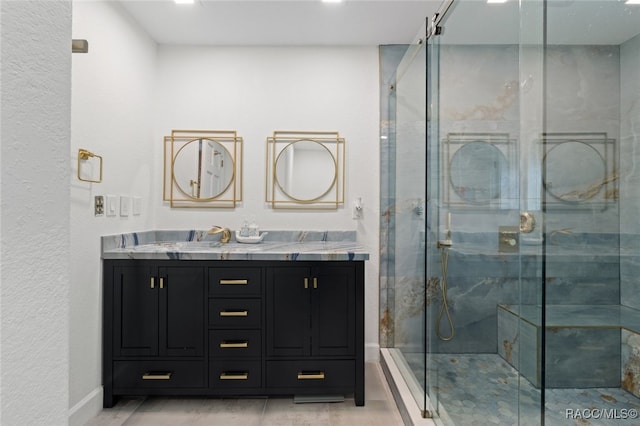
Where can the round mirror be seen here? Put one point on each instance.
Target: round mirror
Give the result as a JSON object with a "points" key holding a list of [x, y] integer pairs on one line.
{"points": [[573, 171], [478, 171], [203, 169], [305, 170]]}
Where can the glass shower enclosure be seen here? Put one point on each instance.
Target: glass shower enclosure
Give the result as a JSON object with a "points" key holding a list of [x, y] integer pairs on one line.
{"points": [[511, 292]]}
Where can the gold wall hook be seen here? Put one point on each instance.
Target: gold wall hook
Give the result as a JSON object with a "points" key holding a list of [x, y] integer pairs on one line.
{"points": [[84, 155]]}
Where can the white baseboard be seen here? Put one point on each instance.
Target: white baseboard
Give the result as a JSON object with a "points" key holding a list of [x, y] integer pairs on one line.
{"points": [[87, 408], [371, 352]]}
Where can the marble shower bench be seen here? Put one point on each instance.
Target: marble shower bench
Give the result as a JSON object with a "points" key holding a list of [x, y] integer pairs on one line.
{"points": [[587, 345]]}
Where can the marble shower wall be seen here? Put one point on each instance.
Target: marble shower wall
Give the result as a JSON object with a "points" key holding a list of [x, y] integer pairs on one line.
{"points": [[630, 171], [482, 91], [390, 57], [402, 219]]}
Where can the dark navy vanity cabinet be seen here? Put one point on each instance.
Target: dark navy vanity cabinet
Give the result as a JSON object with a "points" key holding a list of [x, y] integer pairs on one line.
{"points": [[233, 328]]}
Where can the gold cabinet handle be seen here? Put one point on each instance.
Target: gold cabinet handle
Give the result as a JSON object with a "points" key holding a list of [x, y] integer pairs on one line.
{"points": [[153, 282], [314, 375], [315, 282], [234, 282], [232, 344], [234, 376], [234, 313], [161, 282], [156, 376], [306, 283]]}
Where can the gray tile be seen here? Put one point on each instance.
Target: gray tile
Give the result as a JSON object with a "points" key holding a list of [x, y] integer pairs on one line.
{"points": [[117, 415], [284, 412], [379, 409]]}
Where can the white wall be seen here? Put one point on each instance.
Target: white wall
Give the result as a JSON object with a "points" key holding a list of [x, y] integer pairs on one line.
{"points": [[34, 212], [112, 98], [128, 94], [256, 90]]}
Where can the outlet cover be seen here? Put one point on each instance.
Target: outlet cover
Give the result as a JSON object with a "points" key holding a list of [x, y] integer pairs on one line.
{"points": [[98, 205]]}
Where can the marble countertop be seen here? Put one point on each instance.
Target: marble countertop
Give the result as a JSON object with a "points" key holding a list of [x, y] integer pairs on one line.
{"points": [[197, 245]]}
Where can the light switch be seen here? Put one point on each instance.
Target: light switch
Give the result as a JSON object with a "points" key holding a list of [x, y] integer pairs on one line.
{"points": [[125, 205], [112, 205], [137, 206]]}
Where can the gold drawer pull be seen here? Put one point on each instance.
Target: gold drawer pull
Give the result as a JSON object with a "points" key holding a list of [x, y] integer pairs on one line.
{"points": [[234, 282], [234, 376], [234, 313], [311, 376], [232, 344], [156, 376]]}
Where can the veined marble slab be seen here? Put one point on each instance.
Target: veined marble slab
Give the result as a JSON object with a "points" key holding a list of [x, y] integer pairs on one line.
{"points": [[198, 245]]}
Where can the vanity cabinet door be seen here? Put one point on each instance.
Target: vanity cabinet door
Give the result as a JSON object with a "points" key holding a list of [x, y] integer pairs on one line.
{"points": [[288, 301], [333, 317], [158, 311], [182, 311], [135, 312], [311, 311]]}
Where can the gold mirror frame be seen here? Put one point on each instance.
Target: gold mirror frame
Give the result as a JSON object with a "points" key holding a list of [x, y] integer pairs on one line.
{"points": [[176, 195], [279, 197], [503, 146], [591, 191]]}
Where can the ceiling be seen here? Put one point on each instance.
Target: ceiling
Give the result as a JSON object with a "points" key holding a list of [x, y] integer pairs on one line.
{"points": [[281, 22], [376, 22]]}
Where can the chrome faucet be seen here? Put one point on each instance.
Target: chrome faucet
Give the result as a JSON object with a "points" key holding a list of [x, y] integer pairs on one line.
{"points": [[226, 234]]}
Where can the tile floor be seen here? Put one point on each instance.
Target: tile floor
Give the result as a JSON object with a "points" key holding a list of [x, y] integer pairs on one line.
{"points": [[483, 389], [379, 410]]}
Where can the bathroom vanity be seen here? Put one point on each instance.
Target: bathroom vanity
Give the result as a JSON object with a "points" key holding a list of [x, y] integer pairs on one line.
{"points": [[200, 318]]}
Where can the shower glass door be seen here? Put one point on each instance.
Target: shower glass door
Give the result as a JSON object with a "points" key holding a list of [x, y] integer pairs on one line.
{"points": [[409, 296], [484, 271]]}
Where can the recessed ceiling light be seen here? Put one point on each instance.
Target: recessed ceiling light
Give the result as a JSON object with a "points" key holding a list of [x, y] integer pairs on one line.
{"points": [[331, 1], [633, 2], [496, 1], [184, 1]]}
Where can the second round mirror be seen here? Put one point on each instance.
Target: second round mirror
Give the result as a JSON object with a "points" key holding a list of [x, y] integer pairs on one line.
{"points": [[305, 170]]}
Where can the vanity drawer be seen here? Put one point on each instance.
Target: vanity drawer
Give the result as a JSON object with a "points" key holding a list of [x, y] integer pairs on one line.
{"points": [[235, 313], [235, 282], [311, 374], [235, 343], [235, 374], [158, 374]]}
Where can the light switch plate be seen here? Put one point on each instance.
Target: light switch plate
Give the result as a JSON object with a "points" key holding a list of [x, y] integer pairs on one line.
{"points": [[125, 205], [112, 205], [137, 206]]}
